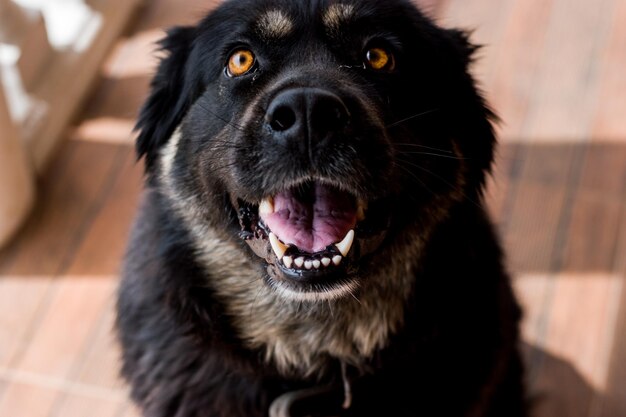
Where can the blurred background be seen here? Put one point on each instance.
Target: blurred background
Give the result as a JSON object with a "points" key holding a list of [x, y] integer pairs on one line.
{"points": [[73, 74]]}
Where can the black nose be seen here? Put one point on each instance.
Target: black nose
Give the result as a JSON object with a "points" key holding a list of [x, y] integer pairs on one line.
{"points": [[306, 116]]}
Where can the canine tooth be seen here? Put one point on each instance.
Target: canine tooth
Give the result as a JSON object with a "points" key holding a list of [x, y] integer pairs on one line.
{"points": [[266, 206], [278, 247], [345, 245], [288, 261], [299, 262], [308, 264], [316, 264], [337, 259], [326, 261]]}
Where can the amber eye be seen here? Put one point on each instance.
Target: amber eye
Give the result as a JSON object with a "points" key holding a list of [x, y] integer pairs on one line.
{"points": [[379, 59], [240, 62]]}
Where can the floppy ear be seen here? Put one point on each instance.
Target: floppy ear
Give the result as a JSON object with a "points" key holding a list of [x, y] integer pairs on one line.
{"points": [[474, 117], [173, 90]]}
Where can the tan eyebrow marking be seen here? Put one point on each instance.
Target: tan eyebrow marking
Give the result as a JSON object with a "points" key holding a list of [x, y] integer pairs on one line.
{"points": [[338, 14], [274, 24]]}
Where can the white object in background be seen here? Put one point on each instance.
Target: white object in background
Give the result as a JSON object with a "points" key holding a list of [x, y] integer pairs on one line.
{"points": [[70, 23], [17, 189]]}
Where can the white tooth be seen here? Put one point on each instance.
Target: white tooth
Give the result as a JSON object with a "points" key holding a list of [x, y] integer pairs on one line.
{"points": [[360, 212], [277, 245], [316, 264], [266, 206], [345, 245], [308, 264], [288, 261], [299, 262], [337, 259], [325, 261]]}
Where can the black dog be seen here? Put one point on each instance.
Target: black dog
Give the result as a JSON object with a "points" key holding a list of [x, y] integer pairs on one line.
{"points": [[313, 239]]}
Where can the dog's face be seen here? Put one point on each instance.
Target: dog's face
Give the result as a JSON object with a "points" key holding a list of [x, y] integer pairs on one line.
{"points": [[322, 133]]}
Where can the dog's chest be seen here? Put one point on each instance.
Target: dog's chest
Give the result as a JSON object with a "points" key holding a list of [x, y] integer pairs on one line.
{"points": [[300, 337]]}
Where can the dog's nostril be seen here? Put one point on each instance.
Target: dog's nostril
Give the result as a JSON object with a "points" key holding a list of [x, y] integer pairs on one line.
{"points": [[329, 114], [283, 118], [303, 114]]}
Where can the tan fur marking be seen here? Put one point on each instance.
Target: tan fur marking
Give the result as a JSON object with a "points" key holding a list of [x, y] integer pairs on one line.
{"points": [[337, 15], [274, 24], [169, 153]]}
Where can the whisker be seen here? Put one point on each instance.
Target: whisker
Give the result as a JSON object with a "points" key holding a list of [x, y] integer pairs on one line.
{"points": [[432, 154], [217, 168], [354, 296], [330, 308], [416, 178], [424, 113], [227, 122], [440, 178], [416, 145]]}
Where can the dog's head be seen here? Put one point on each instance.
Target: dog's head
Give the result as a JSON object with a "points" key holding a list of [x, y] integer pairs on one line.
{"points": [[320, 132]]}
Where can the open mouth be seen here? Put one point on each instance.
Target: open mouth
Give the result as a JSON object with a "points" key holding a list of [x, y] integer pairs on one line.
{"points": [[311, 226], [313, 231]]}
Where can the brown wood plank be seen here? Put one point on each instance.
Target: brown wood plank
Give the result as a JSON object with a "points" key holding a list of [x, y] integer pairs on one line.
{"points": [[501, 183], [546, 179], [66, 324], [570, 346], [50, 238], [133, 55], [99, 364], [596, 215], [104, 242], [538, 206], [20, 300], [101, 253], [163, 14], [23, 400], [515, 72], [609, 123], [582, 314], [80, 406], [119, 98], [63, 344], [582, 322], [49, 189], [532, 290], [49, 241], [61, 341], [567, 88], [613, 399]]}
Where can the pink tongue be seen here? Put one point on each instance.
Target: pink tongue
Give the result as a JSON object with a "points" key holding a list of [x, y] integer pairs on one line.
{"points": [[312, 218]]}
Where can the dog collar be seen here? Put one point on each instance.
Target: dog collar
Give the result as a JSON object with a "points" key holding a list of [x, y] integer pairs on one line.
{"points": [[326, 400]]}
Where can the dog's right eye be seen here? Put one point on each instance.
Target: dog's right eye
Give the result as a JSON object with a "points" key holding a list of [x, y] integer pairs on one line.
{"points": [[240, 62]]}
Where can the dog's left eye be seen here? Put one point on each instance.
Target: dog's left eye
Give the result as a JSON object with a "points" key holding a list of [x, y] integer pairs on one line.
{"points": [[379, 59], [240, 62]]}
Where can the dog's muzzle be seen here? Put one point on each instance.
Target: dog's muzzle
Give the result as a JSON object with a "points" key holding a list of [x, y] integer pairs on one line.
{"points": [[311, 231]]}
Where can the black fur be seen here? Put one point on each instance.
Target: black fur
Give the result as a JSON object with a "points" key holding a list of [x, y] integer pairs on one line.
{"points": [[418, 148]]}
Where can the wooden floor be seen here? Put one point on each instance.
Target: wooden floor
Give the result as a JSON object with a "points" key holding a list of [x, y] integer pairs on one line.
{"points": [[555, 71]]}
